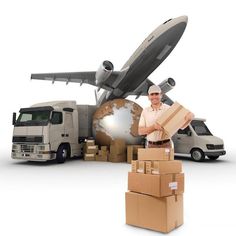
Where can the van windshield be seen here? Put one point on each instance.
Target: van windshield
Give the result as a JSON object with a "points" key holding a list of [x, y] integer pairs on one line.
{"points": [[200, 127]]}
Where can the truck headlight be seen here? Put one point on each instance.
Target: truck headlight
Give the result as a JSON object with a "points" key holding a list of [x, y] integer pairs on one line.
{"points": [[210, 146], [42, 149], [14, 148]]}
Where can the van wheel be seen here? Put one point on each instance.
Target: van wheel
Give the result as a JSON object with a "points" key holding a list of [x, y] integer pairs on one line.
{"points": [[197, 155], [62, 153], [213, 157]]}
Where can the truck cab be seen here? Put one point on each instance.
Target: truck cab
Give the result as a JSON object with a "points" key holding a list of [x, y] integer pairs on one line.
{"points": [[46, 131], [196, 141]]}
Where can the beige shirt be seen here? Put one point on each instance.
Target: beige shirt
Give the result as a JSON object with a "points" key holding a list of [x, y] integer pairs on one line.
{"points": [[148, 117]]}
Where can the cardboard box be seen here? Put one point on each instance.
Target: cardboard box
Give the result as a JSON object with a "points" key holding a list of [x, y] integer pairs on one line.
{"points": [[89, 145], [90, 142], [117, 157], [89, 157], [117, 151], [132, 152], [155, 154], [118, 146], [163, 167], [93, 149], [156, 185], [173, 119], [138, 166], [104, 148], [159, 214], [104, 153], [100, 158]]}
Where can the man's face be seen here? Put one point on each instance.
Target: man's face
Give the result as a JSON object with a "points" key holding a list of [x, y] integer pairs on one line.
{"points": [[155, 98]]}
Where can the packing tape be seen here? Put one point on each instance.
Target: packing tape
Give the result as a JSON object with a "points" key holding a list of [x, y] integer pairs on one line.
{"points": [[140, 170], [172, 115], [155, 172]]}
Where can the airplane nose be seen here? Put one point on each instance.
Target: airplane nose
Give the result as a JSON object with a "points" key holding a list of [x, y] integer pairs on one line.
{"points": [[184, 18]]}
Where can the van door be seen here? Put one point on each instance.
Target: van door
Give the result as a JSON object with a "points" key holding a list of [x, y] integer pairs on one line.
{"points": [[183, 141]]}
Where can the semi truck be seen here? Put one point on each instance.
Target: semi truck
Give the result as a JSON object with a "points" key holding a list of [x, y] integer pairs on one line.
{"points": [[51, 130]]}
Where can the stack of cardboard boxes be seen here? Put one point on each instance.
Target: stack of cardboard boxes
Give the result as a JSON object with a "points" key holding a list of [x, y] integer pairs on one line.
{"points": [[117, 152], [156, 182], [90, 150], [156, 185], [92, 153]]}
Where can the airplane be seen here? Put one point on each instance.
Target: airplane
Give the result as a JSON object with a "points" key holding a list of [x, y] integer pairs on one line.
{"points": [[132, 79]]}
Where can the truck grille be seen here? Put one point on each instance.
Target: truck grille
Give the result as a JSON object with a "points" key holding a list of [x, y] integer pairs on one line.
{"points": [[215, 147], [27, 139], [219, 146], [27, 148]]}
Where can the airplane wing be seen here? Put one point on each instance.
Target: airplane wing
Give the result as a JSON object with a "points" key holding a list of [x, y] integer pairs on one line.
{"points": [[142, 89], [78, 77], [167, 100]]}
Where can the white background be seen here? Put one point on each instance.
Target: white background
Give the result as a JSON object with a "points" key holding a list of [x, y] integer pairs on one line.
{"points": [[80, 198]]}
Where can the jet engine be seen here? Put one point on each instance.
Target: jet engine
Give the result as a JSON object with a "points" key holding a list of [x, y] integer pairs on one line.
{"points": [[103, 72], [167, 85]]}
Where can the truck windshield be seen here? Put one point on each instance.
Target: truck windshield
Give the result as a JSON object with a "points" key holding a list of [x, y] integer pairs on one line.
{"points": [[200, 127], [33, 118]]}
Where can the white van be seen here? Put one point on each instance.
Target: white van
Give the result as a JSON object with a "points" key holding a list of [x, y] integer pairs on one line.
{"points": [[196, 141]]}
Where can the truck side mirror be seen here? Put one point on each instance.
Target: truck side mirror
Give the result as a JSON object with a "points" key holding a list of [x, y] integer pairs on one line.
{"points": [[189, 133], [13, 118]]}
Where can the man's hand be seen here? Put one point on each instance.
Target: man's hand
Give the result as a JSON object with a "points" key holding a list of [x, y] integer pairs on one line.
{"points": [[188, 118], [158, 127]]}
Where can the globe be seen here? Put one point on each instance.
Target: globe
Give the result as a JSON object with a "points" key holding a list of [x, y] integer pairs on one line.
{"points": [[117, 119]]}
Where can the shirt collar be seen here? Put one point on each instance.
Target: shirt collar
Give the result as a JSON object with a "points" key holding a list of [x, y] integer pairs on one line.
{"points": [[151, 109]]}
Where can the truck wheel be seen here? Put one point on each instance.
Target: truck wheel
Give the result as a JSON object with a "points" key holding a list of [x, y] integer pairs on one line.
{"points": [[213, 157], [62, 153], [197, 155]]}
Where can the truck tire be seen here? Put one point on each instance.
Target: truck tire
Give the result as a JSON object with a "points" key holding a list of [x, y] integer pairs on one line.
{"points": [[213, 157], [197, 155], [62, 153]]}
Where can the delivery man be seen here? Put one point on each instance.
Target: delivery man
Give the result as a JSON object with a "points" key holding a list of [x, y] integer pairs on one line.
{"points": [[147, 123]]}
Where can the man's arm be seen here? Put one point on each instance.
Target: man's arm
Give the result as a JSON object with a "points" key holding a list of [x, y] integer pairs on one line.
{"points": [[150, 129]]}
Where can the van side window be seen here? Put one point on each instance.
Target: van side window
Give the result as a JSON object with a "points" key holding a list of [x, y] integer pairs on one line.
{"points": [[184, 131], [56, 118]]}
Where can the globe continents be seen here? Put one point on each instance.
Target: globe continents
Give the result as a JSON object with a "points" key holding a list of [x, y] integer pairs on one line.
{"points": [[117, 118]]}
